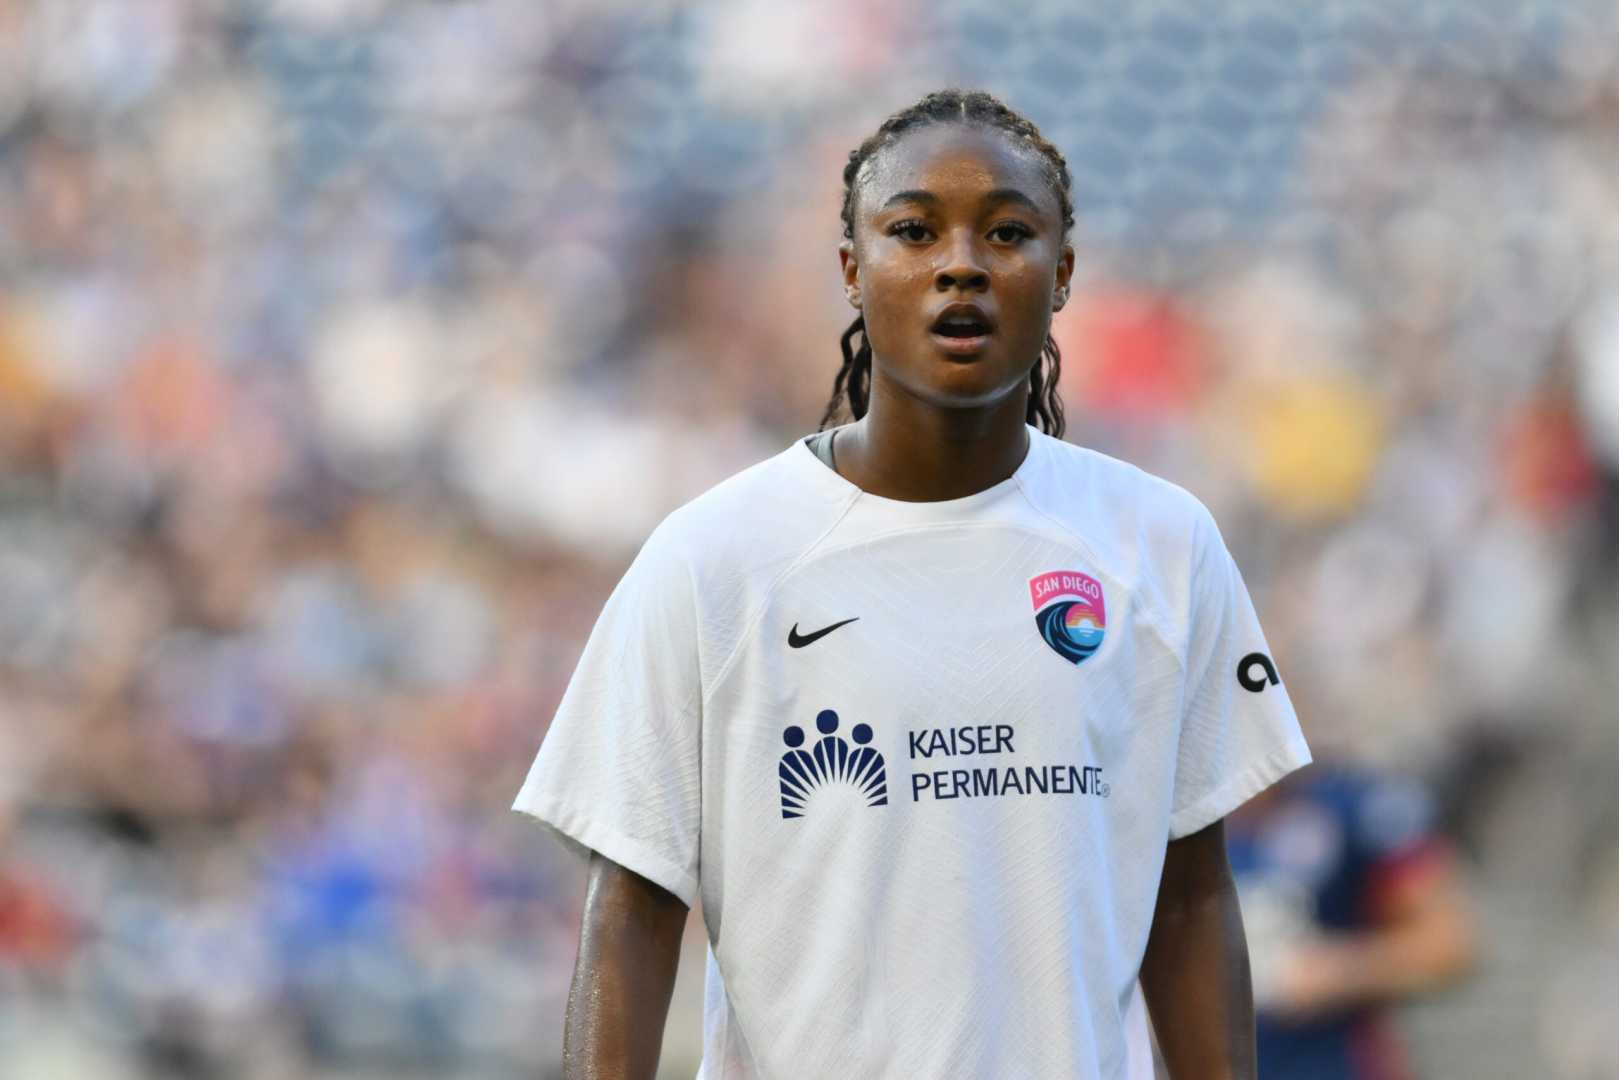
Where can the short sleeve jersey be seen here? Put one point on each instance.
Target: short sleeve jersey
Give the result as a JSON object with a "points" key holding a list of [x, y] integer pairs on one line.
{"points": [[920, 761]]}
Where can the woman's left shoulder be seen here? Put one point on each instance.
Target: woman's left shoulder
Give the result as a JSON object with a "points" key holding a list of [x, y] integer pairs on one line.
{"points": [[1122, 492]]}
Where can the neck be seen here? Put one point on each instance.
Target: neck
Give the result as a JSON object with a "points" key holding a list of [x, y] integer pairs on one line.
{"points": [[914, 451]]}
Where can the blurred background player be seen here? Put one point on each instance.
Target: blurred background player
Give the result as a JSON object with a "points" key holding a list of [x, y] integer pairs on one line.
{"points": [[1354, 903]]}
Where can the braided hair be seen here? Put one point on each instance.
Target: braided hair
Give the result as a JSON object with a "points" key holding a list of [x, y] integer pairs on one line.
{"points": [[853, 382]]}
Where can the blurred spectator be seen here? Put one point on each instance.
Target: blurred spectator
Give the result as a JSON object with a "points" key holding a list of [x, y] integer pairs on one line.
{"points": [[348, 350]]}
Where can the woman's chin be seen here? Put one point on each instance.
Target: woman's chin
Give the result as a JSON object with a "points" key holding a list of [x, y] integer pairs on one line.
{"points": [[965, 384]]}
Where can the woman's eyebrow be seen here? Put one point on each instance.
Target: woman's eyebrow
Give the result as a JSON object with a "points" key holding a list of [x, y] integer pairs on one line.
{"points": [[915, 195], [992, 198], [1010, 195]]}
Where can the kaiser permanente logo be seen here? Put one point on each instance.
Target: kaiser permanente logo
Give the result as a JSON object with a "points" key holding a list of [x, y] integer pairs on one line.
{"points": [[831, 761], [834, 761], [992, 780]]}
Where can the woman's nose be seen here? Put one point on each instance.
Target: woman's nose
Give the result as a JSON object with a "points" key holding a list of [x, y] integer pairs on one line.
{"points": [[962, 268]]}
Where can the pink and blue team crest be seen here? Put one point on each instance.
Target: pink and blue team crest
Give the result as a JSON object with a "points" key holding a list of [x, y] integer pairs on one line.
{"points": [[1069, 611]]}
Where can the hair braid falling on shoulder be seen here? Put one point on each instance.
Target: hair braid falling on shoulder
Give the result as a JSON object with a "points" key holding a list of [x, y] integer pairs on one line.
{"points": [[852, 386]]}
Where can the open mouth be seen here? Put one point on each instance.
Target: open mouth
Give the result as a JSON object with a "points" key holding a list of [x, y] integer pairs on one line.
{"points": [[962, 329]]}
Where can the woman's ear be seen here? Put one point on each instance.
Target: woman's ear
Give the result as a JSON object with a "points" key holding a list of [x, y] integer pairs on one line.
{"points": [[851, 273], [1065, 276]]}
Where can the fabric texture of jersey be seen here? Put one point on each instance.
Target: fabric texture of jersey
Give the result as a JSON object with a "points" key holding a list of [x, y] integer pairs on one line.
{"points": [[927, 842]]}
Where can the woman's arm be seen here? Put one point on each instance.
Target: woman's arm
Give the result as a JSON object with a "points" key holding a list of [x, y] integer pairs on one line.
{"points": [[629, 947], [1195, 972]]}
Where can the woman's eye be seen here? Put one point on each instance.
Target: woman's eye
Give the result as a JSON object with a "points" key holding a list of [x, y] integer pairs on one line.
{"points": [[910, 231], [1008, 233]]}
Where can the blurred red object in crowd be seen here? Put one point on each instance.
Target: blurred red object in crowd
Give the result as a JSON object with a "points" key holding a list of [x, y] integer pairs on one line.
{"points": [[1130, 354], [36, 932]]}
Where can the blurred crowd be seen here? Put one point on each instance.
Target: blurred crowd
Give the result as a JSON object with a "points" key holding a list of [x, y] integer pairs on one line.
{"points": [[348, 349]]}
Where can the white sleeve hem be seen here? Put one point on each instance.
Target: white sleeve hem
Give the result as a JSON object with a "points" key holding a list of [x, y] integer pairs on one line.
{"points": [[581, 831], [1294, 754]]}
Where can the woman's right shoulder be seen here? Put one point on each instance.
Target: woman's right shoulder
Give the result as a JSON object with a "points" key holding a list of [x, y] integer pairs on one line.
{"points": [[771, 510]]}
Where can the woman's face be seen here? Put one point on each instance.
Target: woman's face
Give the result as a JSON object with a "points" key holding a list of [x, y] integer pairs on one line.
{"points": [[957, 263]]}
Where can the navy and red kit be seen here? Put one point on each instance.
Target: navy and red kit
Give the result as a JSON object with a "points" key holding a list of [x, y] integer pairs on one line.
{"points": [[1322, 856]]}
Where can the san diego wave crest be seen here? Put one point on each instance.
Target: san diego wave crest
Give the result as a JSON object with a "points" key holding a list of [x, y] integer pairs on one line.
{"points": [[1071, 643], [830, 761]]}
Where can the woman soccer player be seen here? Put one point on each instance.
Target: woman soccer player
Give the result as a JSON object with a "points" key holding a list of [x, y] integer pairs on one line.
{"points": [[938, 714]]}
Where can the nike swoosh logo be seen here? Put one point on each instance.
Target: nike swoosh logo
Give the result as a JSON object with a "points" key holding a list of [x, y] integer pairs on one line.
{"points": [[798, 641]]}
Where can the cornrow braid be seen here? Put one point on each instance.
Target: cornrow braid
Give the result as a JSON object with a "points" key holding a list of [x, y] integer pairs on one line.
{"points": [[853, 382]]}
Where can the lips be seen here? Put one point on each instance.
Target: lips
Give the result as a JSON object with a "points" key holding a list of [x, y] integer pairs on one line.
{"points": [[962, 328], [963, 320]]}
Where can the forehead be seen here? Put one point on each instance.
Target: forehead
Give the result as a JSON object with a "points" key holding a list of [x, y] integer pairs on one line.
{"points": [[956, 161]]}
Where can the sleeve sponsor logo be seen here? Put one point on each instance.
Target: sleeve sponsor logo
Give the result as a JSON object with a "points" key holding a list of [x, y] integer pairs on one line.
{"points": [[1255, 672]]}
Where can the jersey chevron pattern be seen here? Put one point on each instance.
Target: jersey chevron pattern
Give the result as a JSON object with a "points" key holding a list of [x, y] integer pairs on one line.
{"points": [[927, 844]]}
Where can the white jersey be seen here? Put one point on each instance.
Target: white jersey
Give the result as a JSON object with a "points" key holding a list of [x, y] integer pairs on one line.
{"points": [[919, 760]]}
